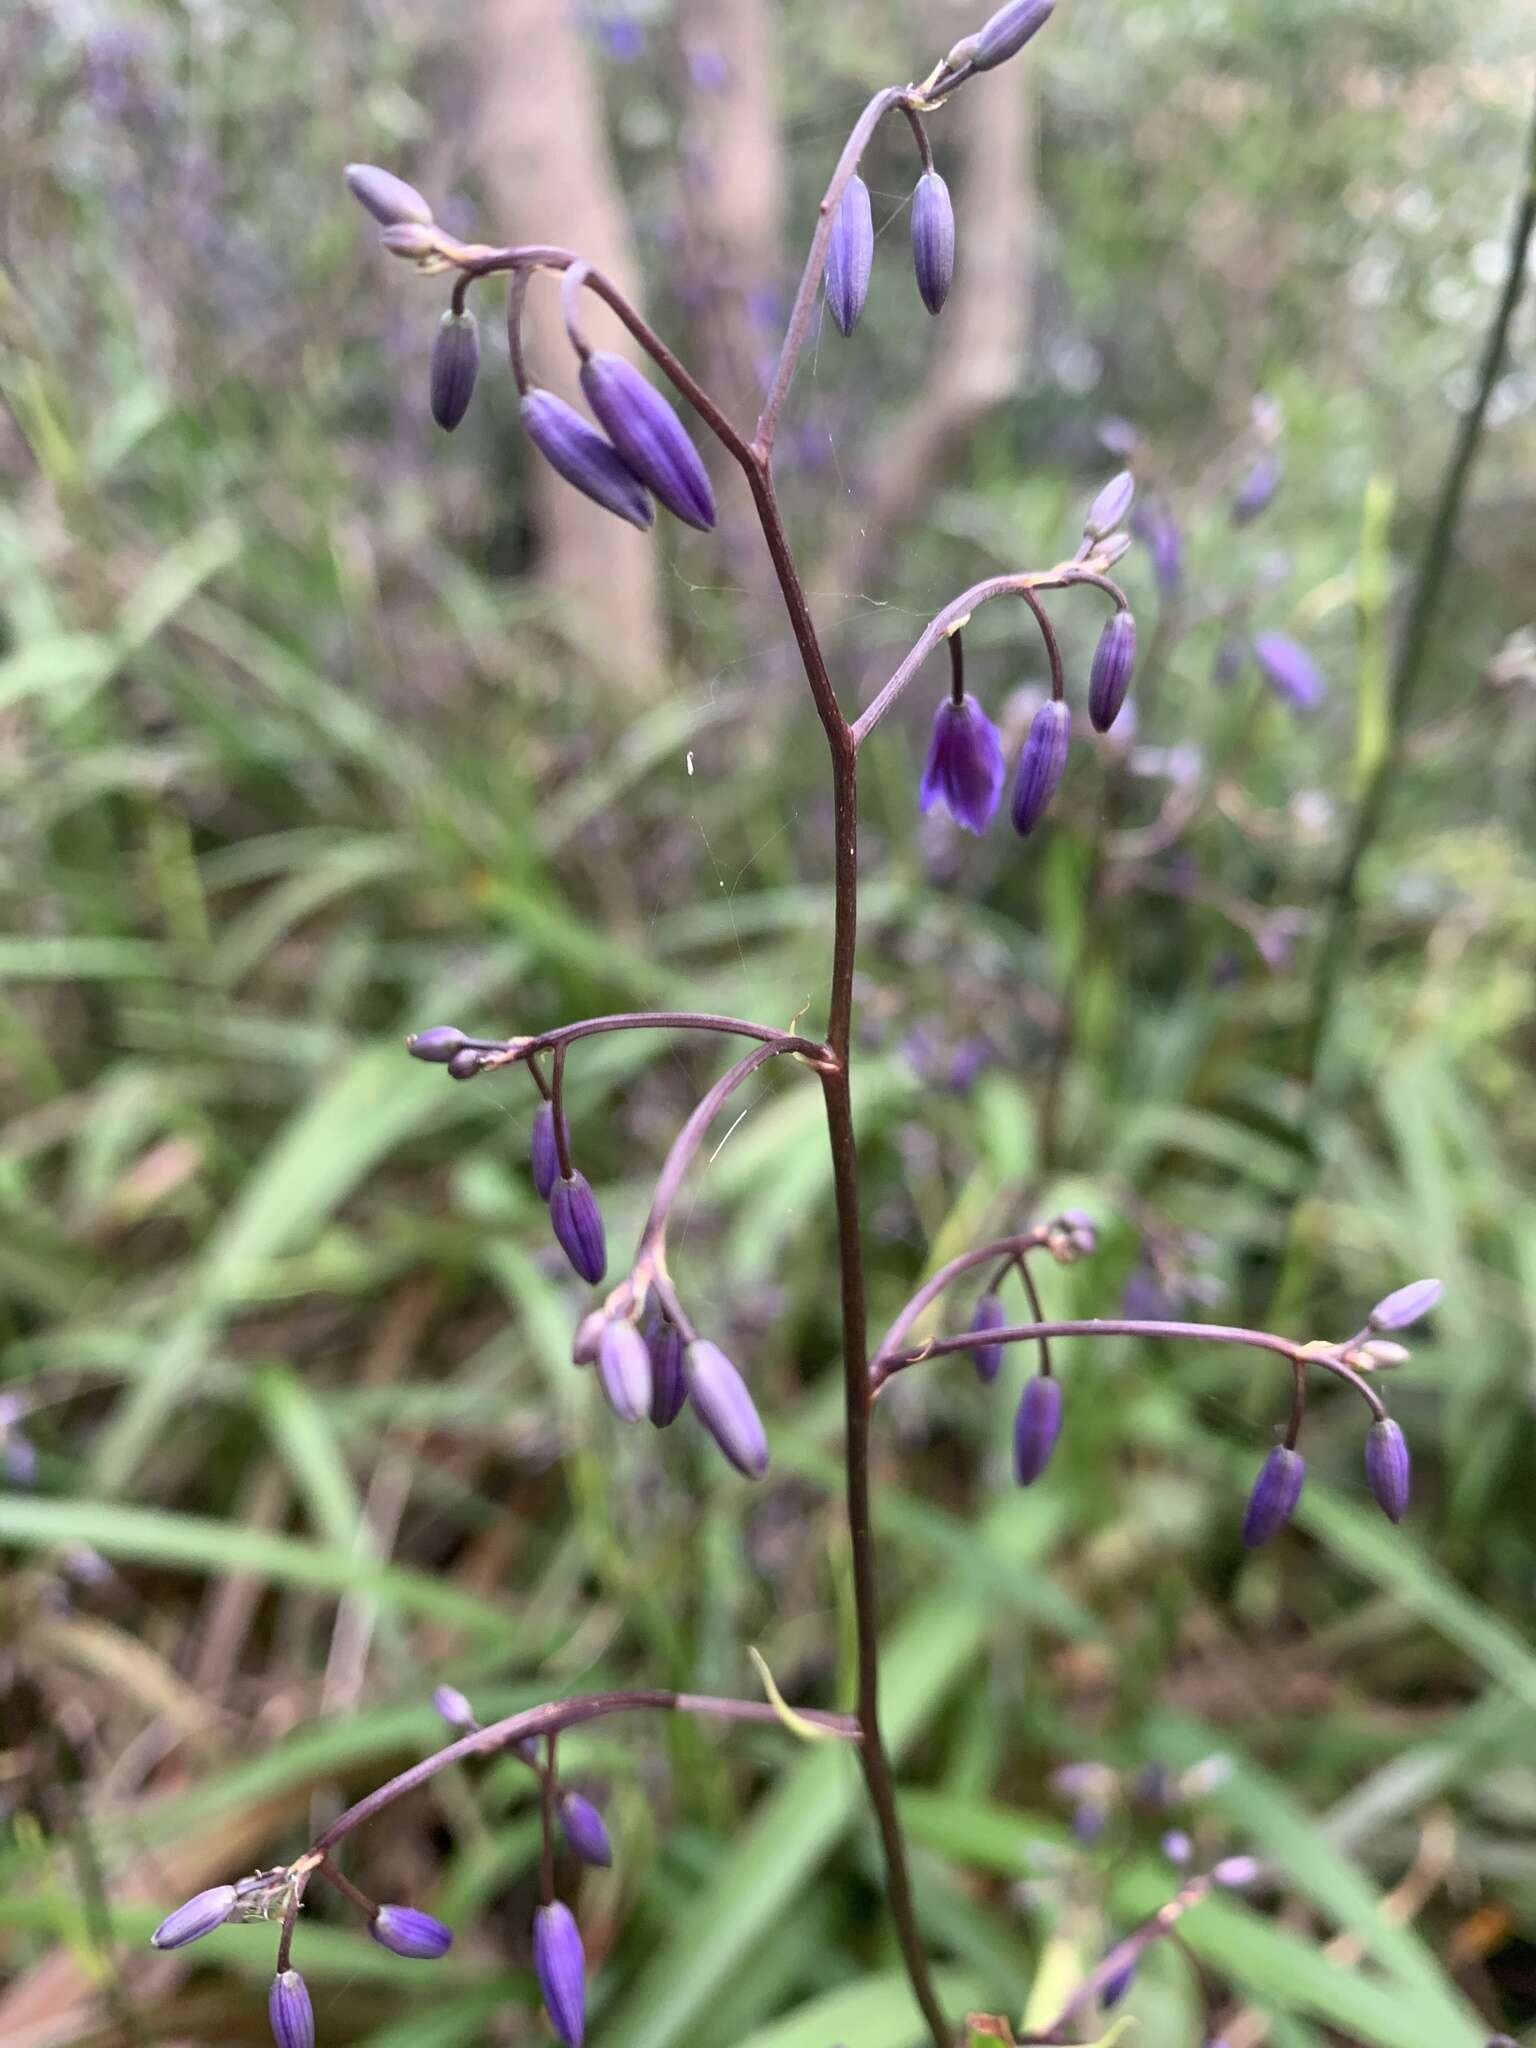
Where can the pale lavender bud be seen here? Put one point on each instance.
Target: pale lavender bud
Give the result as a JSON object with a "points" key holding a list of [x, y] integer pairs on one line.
{"points": [[649, 436], [1257, 489], [562, 1971], [437, 1044], [455, 1709], [624, 1370], [1387, 1467], [1110, 677], [578, 1226], [1042, 764], [1289, 670], [1275, 1494], [965, 769], [1405, 1306], [389, 199], [405, 1932], [988, 1358], [669, 1384], [455, 366], [850, 255], [1036, 1428], [199, 1916], [290, 2011], [584, 1829], [409, 240], [723, 1404], [1006, 33], [1110, 507], [584, 458], [544, 1153], [933, 240]]}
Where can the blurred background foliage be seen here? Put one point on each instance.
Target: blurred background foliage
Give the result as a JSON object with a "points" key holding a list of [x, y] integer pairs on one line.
{"points": [[318, 727]]}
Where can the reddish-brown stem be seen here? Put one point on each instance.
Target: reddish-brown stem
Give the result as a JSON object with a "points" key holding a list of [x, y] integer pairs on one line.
{"points": [[547, 1826], [508, 1052], [557, 1104], [333, 1876], [1037, 1308], [956, 669], [1052, 644]]}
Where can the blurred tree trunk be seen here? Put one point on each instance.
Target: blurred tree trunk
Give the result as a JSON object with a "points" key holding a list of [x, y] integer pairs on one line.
{"points": [[549, 177]]}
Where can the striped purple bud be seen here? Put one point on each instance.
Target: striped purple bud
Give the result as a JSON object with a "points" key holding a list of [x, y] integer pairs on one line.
{"points": [[1256, 490], [1110, 676], [1036, 1428], [1041, 764], [1006, 33], [290, 2011], [624, 1369], [578, 1226], [850, 255], [438, 1044], [1108, 510], [669, 1385], [199, 1916], [988, 1358], [965, 769], [405, 1932], [581, 455], [389, 199], [1290, 671], [455, 1709], [1387, 1467], [1275, 1494], [455, 366], [584, 1829], [649, 436], [562, 1971], [1405, 1306], [722, 1403], [933, 240], [543, 1152]]}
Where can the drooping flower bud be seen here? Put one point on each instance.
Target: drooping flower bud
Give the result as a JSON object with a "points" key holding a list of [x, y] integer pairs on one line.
{"points": [[1006, 33], [669, 1384], [1275, 1494], [578, 1225], [1387, 1467], [1405, 1306], [464, 1064], [437, 1044], [290, 2011], [965, 769], [584, 1829], [389, 199], [850, 255], [724, 1406], [455, 1709], [1042, 764], [1036, 1428], [199, 1916], [405, 1932], [410, 240], [1257, 489], [561, 1967], [988, 1358], [649, 436], [584, 458], [624, 1370], [1289, 670], [1108, 510], [933, 240], [455, 366], [543, 1152], [1110, 677]]}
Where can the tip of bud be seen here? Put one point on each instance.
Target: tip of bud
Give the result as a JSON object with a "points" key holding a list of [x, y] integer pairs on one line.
{"points": [[437, 1044], [389, 199], [290, 2011], [405, 1932]]}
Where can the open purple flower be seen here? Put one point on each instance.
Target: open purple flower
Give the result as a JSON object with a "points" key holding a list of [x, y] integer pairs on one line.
{"points": [[561, 1967], [649, 436], [1289, 670], [578, 1225], [1275, 1494], [405, 1932], [1041, 765], [965, 769], [850, 255], [933, 240]]}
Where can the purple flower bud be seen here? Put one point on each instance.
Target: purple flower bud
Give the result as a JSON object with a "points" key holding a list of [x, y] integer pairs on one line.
{"points": [[199, 1916], [1290, 671], [438, 1044], [1110, 507], [1387, 1467], [578, 1226], [584, 1829], [455, 366], [405, 1932], [544, 1153], [669, 1384], [1041, 764], [1115, 1986], [1118, 436], [1405, 1305], [1257, 488], [1235, 1872], [388, 198], [988, 1358], [409, 240], [455, 1709], [1089, 1821], [1110, 677], [933, 240], [562, 1971], [720, 1398], [1157, 526], [581, 455], [624, 1368], [1006, 33], [1036, 1428], [850, 255], [464, 1064], [965, 769], [1275, 1494], [290, 2011], [649, 436]]}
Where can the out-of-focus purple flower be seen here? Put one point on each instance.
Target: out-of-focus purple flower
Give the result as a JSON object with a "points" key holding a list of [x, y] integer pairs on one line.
{"points": [[965, 769], [562, 1971], [1156, 525], [585, 1830], [1405, 1306], [389, 199], [669, 1385], [454, 1708], [544, 1153], [1119, 437], [1275, 1494], [933, 240], [1256, 490], [1036, 1428], [199, 1916], [18, 1456], [966, 1064], [437, 1044], [624, 1368], [1235, 1873], [406, 1932], [649, 436], [708, 69], [1387, 1467], [1177, 1847], [1042, 764], [1231, 659], [988, 1358], [1071, 1236], [579, 453], [1289, 670], [455, 366], [850, 255], [578, 1225], [723, 1404], [622, 38], [1005, 33], [1089, 1820], [290, 2011], [1110, 676], [1110, 507]]}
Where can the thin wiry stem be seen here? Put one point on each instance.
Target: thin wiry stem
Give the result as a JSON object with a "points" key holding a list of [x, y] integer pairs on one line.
{"points": [[508, 1052]]}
